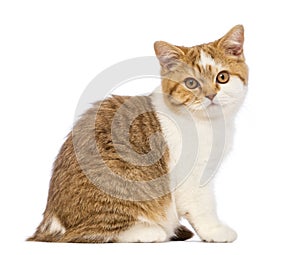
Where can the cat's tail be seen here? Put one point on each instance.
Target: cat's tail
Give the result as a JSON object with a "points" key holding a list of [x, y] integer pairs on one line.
{"points": [[182, 233], [42, 237], [50, 230]]}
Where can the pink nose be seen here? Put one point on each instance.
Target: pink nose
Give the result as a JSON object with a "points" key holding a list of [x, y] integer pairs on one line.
{"points": [[211, 97]]}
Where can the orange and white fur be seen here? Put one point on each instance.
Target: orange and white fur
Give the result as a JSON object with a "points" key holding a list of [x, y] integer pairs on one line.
{"points": [[208, 81], [220, 103]]}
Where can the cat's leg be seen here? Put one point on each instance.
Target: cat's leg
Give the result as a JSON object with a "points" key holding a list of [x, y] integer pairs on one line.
{"points": [[198, 207], [143, 233]]}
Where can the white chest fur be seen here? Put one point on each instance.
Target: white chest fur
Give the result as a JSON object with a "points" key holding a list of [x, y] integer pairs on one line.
{"points": [[197, 142], [197, 145]]}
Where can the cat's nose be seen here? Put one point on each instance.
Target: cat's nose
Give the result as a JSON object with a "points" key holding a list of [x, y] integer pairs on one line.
{"points": [[211, 97]]}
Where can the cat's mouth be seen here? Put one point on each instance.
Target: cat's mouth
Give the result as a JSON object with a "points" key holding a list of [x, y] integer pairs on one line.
{"points": [[204, 105], [218, 104], [212, 103], [209, 104]]}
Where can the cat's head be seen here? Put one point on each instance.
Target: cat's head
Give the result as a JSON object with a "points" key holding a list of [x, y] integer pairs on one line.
{"points": [[206, 76]]}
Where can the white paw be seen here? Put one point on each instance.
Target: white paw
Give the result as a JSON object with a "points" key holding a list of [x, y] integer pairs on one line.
{"points": [[153, 236], [218, 234], [142, 233]]}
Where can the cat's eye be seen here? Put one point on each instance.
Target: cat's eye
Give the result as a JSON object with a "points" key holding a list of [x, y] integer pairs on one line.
{"points": [[191, 83], [223, 77]]}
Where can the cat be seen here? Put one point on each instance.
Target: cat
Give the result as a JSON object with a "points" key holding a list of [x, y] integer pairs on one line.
{"points": [[114, 179]]}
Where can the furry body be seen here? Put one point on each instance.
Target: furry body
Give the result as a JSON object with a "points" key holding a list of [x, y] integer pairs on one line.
{"points": [[142, 198]]}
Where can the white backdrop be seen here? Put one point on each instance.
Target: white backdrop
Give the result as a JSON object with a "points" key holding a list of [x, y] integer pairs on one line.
{"points": [[50, 51]]}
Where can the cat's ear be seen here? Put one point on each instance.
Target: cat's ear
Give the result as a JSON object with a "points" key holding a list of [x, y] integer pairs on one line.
{"points": [[168, 55], [232, 43]]}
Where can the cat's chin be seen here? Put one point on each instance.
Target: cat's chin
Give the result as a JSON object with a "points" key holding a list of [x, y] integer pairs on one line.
{"points": [[206, 106], [213, 110]]}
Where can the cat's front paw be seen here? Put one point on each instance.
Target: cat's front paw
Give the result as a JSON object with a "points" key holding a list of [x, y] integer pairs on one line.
{"points": [[219, 234]]}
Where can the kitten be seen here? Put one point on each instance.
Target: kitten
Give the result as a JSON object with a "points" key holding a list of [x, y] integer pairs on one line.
{"points": [[127, 173]]}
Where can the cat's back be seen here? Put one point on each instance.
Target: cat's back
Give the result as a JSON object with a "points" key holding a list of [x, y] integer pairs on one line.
{"points": [[124, 134], [110, 172]]}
